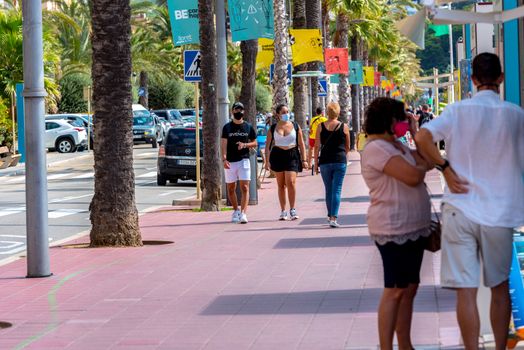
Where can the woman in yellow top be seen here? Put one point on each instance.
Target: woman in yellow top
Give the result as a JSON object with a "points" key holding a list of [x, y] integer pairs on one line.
{"points": [[313, 125]]}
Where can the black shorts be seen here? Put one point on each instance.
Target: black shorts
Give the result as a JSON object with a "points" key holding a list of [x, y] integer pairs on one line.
{"points": [[285, 160], [402, 262]]}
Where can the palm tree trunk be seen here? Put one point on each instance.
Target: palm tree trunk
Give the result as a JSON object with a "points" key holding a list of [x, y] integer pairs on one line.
{"points": [[360, 88], [280, 90], [343, 86], [211, 165], [114, 216], [355, 110], [144, 80], [249, 51], [313, 10], [300, 84]]}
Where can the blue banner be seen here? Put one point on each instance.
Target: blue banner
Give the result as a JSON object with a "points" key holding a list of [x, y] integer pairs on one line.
{"points": [[356, 74], [184, 21], [251, 19]]}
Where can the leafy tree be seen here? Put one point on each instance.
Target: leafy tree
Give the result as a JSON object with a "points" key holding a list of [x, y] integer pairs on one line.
{"points": [[263, 97], [168, 93], [6, 125]]}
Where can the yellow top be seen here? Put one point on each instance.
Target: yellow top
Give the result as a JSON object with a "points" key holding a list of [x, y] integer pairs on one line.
{"points": [[315, 122]]}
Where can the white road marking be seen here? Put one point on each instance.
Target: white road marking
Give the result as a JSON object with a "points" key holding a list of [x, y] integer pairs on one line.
{"points": [[150, 174], [146, 154], [60, 213], [144, 182], [84, 176], [173, 192], [12, 211], [17, 179], [56, 176], [69, 198], [13, 236]]}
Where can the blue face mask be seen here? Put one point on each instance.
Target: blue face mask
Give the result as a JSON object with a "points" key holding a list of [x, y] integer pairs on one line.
{"points": [[284, 117]]}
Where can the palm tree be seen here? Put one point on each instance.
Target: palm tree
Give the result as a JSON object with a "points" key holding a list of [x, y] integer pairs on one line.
{"points": [[300, 84], [249, 51], [114, 216], [280, 91], [211, 169], [341, 40], [313, 11]]}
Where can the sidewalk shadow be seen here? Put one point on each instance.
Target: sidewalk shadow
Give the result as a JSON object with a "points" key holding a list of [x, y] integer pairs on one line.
{"points": [[357, 199], [324, 242], [324, 302], [352, 219]]}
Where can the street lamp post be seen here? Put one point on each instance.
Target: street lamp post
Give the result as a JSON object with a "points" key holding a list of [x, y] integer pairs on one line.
{"points": [[36, 180]]}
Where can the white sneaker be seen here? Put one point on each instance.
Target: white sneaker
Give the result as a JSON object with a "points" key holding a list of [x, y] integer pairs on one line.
{"points": [[334, 223], [243, 218], [236, 217], [283, 215], [293, 214]]}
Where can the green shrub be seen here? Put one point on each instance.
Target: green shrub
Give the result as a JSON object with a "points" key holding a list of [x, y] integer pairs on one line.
{"points": [[6, 125], [168, 93], [72, 92], [263, 97]]}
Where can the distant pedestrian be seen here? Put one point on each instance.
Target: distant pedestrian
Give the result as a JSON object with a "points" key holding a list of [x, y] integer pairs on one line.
{"points": [[238, 137], [331, 149], [425, 115], [286, 153], [398, 217], [318, 119], [484, 198]]}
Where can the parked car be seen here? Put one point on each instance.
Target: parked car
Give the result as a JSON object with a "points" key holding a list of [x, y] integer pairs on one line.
{"points": [[146, 126], [177, 157], [172, 116], [64, 137], [77, 119], [261, 138]]}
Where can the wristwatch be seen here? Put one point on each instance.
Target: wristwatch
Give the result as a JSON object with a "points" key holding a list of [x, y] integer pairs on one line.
{"points": [[442, 167]]}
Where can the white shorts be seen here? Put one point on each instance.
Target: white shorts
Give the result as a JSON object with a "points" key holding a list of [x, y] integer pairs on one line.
{"points": [[464, 243], [240, 170]]}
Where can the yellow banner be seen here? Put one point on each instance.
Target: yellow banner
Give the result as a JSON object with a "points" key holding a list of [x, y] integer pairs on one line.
{"points": [[306, 45], [369, 76], [266, 53]]}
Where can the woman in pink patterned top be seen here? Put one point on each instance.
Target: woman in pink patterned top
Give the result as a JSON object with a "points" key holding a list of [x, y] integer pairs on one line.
{"points": [[398, 217]]}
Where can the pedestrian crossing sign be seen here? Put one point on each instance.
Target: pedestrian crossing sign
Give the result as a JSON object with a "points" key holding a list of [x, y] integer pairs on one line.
{"points": [[322, 87], [192, 65]]}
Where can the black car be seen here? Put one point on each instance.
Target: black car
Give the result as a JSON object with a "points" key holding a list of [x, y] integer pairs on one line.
{"points": [[177, 157], [171, 116]]}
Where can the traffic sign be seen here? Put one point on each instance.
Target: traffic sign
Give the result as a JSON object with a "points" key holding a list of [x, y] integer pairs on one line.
{"points": [[272, 69], [322, 88], [192, 62]]}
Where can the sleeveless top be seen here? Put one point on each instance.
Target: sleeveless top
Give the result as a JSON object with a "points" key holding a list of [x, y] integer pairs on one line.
{"points": [[289, 140], [333, 149]]}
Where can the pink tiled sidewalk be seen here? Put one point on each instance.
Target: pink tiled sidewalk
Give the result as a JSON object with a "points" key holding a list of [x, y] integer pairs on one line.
{"points": [[264, 285]]}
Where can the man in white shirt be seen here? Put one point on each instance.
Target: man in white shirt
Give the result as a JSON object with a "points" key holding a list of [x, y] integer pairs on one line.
{"points": [[484, 198]]}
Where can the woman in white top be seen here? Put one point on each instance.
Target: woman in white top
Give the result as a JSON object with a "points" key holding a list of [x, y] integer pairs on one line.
{"points": [[286, 153]]}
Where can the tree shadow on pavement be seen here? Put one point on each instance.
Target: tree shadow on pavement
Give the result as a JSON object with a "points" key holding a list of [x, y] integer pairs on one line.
{"points": [[324, 302], [352, 219]]}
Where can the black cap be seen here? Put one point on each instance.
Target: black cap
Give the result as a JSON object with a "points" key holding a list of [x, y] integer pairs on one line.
{"points": [[237, 105]]}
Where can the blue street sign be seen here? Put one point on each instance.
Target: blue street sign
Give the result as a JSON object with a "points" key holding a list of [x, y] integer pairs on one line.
{"points": [[272, 69], [192, 61], [141, 92], [322, 88]]}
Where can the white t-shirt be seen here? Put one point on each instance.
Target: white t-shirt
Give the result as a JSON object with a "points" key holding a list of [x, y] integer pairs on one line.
{"points": [[485, 145]]}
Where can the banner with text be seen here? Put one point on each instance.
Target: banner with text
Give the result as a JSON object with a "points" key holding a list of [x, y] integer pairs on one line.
{"points": [[356, 73], [184, 21], [266, 53], [306, 45], [369, 76], [337, 61], [251, 19]]}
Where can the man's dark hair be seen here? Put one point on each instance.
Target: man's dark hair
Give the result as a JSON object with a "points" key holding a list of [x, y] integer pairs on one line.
{"points": [[319, 110], [425, 108], [381, 113], [486, 68]]}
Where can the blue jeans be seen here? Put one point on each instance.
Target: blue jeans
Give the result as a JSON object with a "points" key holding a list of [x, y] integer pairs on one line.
{"points": [[333, 177]]}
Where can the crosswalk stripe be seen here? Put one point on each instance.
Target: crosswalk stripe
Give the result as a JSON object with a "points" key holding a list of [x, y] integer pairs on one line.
{"points": [[173, 192], [150, 174], [56, 176], [60, 213], [11, 211], [84, 176], [17, 179]]}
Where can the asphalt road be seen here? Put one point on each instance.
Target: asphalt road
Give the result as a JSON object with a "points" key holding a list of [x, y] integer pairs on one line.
{"points": [[70, 189]]}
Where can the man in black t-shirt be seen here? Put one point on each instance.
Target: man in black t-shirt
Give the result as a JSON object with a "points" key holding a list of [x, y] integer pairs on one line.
{"points": [[425, 116], [238, 137]]}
